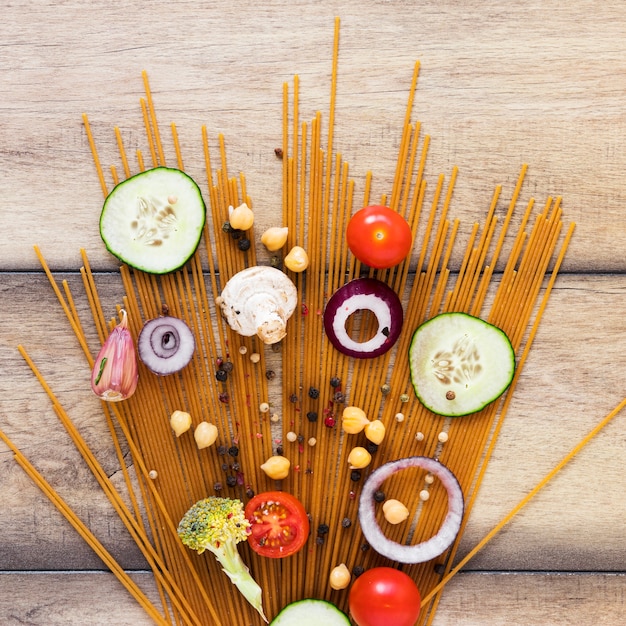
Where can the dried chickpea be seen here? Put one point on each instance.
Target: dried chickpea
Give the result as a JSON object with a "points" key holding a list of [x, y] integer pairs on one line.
{"points": [[205, 434], [297, 260], [275, 238], [339, 577], [276, 467], [180, 421], [375, 431], [353, 420], [395, 512], [359, 458], [241, 218]]}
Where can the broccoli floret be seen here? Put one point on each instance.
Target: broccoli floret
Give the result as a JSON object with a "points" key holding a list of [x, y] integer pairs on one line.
{"points": [[218, 525]]}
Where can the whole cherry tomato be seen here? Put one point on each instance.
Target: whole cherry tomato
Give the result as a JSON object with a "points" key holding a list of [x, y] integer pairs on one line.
{"points": [[379, 236], [279, 524], [384, 596]]}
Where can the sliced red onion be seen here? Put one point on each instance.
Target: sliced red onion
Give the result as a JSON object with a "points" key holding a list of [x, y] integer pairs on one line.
{"points": [[369, 294], [429, 549], [165, 345]]}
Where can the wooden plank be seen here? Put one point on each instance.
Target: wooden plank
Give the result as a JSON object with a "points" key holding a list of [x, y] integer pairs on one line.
{"points": [[475, 599], [500, 85]]}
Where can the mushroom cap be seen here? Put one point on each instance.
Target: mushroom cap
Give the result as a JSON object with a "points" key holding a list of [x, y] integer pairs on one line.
{"points": [[258, 301]]}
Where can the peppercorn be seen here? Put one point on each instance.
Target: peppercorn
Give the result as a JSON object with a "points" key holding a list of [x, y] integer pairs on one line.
{"points": [[250, 492], [279, 450], [227, 366], [293, 397], [221, 376], [226, 227], [244, 244], [346, 522], [357, 570], [217, 486], [314, 393], [235, 233], [335, 381], [270, 374], [365, 547], [323, 529], [379, 496], [235, 467], [371, 447], [233, 451], [339, 397], [385, 389], [329, 421], [231, 481], [221, 450], [311, 416], [225, 466], [355, 476]]}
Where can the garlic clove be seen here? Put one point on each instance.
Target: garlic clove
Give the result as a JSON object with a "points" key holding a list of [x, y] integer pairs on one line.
{"points": [[114, 375]]}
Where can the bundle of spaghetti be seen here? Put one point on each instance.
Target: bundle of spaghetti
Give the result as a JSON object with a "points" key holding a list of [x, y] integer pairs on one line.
{"points": [[151, 295]]}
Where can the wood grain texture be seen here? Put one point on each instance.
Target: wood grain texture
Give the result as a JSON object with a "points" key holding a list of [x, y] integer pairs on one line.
{"points": [[501, 84]]}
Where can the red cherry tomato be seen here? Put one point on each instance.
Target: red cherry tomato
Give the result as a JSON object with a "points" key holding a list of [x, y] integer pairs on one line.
{"points": [[279, 524], [379, 236], [383, 596]]}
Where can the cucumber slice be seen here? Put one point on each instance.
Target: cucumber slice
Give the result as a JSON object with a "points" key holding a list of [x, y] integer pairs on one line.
{"points": [[153, 221], [459, 364], [310, 612]]}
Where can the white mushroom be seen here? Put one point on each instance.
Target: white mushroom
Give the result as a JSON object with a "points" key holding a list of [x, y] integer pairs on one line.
{"points": [[258, 301]]}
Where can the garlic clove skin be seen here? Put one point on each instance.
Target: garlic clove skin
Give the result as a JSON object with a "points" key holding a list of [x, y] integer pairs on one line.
{"points": [[115, 374]]}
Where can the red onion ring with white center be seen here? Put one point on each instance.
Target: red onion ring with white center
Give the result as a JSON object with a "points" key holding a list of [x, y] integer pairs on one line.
{"points": [[368, 294], [165, 345], [426, 550]]}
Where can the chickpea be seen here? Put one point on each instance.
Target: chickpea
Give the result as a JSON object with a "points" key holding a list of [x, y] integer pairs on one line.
{"points": [[205, 434], [297, 260], [180, 421], [395, 512], [276, 467], [275, 238], [339, 577]]}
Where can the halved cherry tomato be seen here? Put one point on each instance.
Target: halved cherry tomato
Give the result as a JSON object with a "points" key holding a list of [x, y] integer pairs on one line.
{"points": [[279, 524], [379, 236], [383, 596]]}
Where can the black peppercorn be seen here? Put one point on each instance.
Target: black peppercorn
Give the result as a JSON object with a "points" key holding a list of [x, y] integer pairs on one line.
{"points": [[244, 244], [379, 496], [233, 451], [231, 481], [221, 375], [335, 381], [311, 416], [355, 476], [314, 393], [346, 522]]}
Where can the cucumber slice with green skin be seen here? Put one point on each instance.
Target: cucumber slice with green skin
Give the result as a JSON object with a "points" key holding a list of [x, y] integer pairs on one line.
{"points": [[311, 612], [153, 221], [460, 363]]}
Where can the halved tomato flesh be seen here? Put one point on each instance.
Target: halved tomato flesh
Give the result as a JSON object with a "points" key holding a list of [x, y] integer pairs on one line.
{"points": [[279, 524]]}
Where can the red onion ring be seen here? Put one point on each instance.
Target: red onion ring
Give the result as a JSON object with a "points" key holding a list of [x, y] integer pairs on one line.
{"points": [[368, 294], [165, 345], [429, 549]]}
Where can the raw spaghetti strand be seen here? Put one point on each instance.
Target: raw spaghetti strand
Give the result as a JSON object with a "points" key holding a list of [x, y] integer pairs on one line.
{"points": [[520, 505], [85, 533]]}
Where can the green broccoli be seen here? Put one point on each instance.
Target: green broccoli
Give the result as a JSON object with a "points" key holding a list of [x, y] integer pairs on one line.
{"points": [[218, 525]]}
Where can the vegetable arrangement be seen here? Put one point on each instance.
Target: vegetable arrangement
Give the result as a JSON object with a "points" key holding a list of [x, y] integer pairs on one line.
{"points": [[341, 419]]}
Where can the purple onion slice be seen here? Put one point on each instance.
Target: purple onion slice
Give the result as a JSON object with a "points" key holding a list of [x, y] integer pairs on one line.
{"points": [[165, 345], [430, 548], [364, 294]]}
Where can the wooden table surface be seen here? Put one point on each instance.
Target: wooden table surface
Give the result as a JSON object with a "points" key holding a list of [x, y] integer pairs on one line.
{"points": [[501, 84]]}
